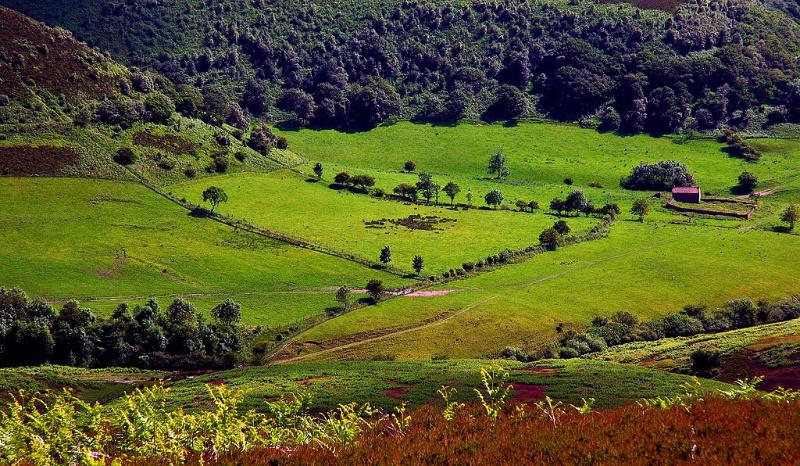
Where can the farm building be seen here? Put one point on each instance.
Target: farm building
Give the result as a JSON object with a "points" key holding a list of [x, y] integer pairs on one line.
{"points": [[689, 194]]}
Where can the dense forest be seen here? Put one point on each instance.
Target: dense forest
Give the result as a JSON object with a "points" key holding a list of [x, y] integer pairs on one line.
{"points": [[353, 64]]}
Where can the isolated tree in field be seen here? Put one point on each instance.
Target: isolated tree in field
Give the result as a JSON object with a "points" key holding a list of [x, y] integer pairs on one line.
{"points": [[436, 189], [533, 205], [498, 165], [791, 215], [551, 239], [318, 170], [522, 206], [386, 255], [410, 166], [375, 290], [425, 186], [575, 202], [640, 208], [494, 198], [342, 178], [611, 210], [362, 181], [747, 182], [452, 190], [469, 198], [406, 191], [343, 296], [418, 263], [214, 195], [561, 227]]}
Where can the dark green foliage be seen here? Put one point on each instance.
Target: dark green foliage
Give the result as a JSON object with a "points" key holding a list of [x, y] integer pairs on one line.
{"points": [[375, 290], [747, 182], [32, 333], [318, 170], [125, 156], [661, 176], [551, 239], [359, 63], [494, 198], [386, 255], [418, 263], [406, 191], [159, 107], [214, 195], [561, 227], [342, 178], [705, 362], [261, 139], [739, 147]]}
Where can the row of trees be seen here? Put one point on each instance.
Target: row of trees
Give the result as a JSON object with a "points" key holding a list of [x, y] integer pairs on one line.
{"points": [[385, 257], [32, 333]]}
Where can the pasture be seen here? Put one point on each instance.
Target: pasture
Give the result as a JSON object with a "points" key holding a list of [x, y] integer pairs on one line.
{"points": [[106, 242], [289, 203]]}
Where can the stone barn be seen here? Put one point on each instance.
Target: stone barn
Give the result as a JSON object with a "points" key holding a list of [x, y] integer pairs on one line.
{"points": [[691, 195]]}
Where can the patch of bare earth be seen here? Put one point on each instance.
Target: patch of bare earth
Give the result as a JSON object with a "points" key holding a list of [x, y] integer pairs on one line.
{"points": [[527, 391]]}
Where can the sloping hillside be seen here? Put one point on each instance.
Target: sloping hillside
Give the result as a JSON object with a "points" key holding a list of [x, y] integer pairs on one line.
{"points": [[355, 63]]}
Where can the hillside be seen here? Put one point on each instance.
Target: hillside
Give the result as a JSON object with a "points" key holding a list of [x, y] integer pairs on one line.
{"points": [[696, 65]]}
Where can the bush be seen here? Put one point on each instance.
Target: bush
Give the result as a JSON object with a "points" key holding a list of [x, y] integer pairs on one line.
{"points": [[662, 176], [567, 353], [681, 325], [125, 156], [747, 182], [705, 362]]}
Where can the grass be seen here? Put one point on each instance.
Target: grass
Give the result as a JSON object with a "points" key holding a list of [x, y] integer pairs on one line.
{"points": [[89, 384], [387, 383], [648, 269], [539, 153], [92, 239], [286, 202]]}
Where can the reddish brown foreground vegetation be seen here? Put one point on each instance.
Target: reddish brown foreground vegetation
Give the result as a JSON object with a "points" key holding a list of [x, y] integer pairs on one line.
{"points": [[27, 160], [712, 432]]}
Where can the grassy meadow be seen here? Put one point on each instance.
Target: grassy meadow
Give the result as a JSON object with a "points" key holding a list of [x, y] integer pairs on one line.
{"points": [[107, 242]]}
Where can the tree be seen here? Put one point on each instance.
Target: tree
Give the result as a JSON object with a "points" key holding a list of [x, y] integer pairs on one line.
{"points": [[469, 198], [375, 290], [791, 215], [747, 182], [425, 186], [386, 255], [661, 176], [452, 190], [494, 198], [522, 206], [640, 208], [575, 202], [561, 227], [214, 195], [260, 139], [227, 312], [498, 165], [410, 166], [362, 181], [406, 191], [342, 178], [343, 296], [551, 239], [318, 170], [611, 210], [418, 263], [159, 107]]}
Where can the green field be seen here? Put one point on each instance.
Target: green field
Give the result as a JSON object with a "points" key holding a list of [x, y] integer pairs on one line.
{"points": [[107, 242], [285, 202], [387, 384]]}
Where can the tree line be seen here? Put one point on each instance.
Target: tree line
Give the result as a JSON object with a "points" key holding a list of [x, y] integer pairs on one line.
{"points": [[32, 332]]}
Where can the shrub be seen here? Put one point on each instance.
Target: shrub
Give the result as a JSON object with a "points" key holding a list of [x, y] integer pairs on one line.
{"points": [[410, 166], [567, 353], [190, 172], [568, 181], [705, 362], [342, 178], [125, 156], [551, 239], [681, 325], [159, 107], [747, 182]]}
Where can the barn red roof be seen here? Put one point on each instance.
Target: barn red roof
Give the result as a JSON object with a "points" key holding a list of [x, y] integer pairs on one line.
{"points": [[688, 190]]}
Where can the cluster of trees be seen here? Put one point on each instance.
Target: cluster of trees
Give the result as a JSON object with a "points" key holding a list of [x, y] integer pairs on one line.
{"points": [[661, 176], [622, 327], [360, 182], [711, 64], [576, 203], [32, 333]]}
